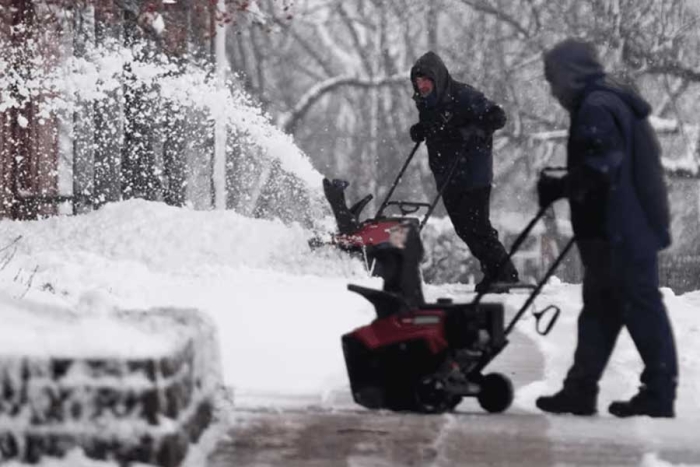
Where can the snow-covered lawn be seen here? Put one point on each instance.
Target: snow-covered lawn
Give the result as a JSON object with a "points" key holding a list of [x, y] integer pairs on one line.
{"points": [[280, 309]]}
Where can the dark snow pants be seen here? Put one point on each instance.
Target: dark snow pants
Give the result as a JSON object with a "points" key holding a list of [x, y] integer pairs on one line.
{"points": [[469, 211], [622, 291]]}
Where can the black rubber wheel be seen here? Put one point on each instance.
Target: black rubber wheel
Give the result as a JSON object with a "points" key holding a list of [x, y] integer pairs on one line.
{"points": [[496, 393], [431, 396]]}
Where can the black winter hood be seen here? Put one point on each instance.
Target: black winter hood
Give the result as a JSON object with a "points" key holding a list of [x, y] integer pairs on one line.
{"points": [[573, 69], [570, 66], [431, 65]]}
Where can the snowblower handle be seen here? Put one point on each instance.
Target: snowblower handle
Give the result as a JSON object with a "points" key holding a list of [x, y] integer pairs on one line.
{"points": [[408, 207], [552, 321], [540, 285], [450, 174], [385, 203]]}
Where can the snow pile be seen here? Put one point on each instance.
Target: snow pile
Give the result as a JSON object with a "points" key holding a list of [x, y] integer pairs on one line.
{"points": [[144, 236], [279, 307]]}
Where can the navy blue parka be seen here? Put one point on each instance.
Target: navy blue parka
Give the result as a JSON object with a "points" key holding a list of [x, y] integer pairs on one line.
{"points": [[611, 139]]}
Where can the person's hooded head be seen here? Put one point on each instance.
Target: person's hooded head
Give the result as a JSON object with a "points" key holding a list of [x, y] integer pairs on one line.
{"points": [[430, 79], [572, 68], [569, 67]]}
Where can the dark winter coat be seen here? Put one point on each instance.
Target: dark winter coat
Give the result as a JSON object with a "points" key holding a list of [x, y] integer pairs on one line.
{"points": [[623, 198], [450, 115]]}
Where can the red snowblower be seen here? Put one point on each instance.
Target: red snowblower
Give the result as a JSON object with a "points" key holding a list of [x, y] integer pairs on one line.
{"points": [[369, 237], [426, 357]]}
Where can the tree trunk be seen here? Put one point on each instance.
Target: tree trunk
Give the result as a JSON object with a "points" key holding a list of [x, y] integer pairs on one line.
{"points": [[219, 166], [139, 171], [83, 124], [174, 161]]}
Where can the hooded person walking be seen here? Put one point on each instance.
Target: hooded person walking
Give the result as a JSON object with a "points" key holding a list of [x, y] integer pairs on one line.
{"points": [[458, 122], [620, 218]]}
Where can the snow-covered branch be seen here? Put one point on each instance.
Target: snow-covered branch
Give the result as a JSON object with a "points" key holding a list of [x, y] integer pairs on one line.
{"points": [[677, 69], [688, 163], [501, 15], [289, 121]]}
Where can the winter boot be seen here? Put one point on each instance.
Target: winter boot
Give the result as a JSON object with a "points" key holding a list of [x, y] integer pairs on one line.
{"points": [[499, 284], [570, 400], [645, 402]]}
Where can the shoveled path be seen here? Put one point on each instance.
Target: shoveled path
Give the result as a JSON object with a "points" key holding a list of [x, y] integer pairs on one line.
{"points": [[340, 433]]}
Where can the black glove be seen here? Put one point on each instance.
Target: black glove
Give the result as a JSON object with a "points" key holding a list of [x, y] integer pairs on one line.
{"points": [[418, 132], [550, 189]]}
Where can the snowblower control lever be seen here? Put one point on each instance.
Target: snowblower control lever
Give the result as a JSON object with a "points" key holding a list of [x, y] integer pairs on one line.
{"points": [[408, 207], [540, 314], [385, 203]]}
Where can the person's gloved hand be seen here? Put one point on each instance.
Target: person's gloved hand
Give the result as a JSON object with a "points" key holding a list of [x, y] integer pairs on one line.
{"points": [[550, 189], [418, 132]]}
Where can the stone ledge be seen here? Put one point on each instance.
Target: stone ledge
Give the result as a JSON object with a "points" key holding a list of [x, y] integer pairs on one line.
{"points": [[142, 409]]}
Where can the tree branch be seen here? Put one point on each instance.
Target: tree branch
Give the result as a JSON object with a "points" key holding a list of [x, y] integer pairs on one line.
{"points": [[674, 69], [501, 15], [290, 120]]}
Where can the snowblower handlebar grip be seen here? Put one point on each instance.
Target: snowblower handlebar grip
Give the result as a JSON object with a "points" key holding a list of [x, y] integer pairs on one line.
{"points": [[539, 315]]}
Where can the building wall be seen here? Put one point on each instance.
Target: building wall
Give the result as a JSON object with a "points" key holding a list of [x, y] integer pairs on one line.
{"points": [[29, 146]]}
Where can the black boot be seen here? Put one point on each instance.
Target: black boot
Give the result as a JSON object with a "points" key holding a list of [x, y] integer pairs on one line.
{"points": [[645, 402], [497, 279], [570, 401]]}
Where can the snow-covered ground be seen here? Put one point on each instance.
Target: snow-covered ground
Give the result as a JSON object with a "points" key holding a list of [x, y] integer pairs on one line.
{"points": [[280, 309]]}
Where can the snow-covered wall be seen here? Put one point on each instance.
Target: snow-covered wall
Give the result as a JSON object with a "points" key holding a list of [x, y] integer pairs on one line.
{"points": [[121, 385]]}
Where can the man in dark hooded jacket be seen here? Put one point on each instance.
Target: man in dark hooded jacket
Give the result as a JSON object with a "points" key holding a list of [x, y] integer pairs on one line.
{"points": [[458, 122], [620, 217]]}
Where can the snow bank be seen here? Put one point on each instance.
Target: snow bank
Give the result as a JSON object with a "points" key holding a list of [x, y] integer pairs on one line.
{"points": [[277, 305], [150, 236]]}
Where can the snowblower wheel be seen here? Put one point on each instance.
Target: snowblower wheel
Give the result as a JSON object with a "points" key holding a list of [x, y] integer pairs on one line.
{"points": [[496, 393], [431, 396], [453, 402]]}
